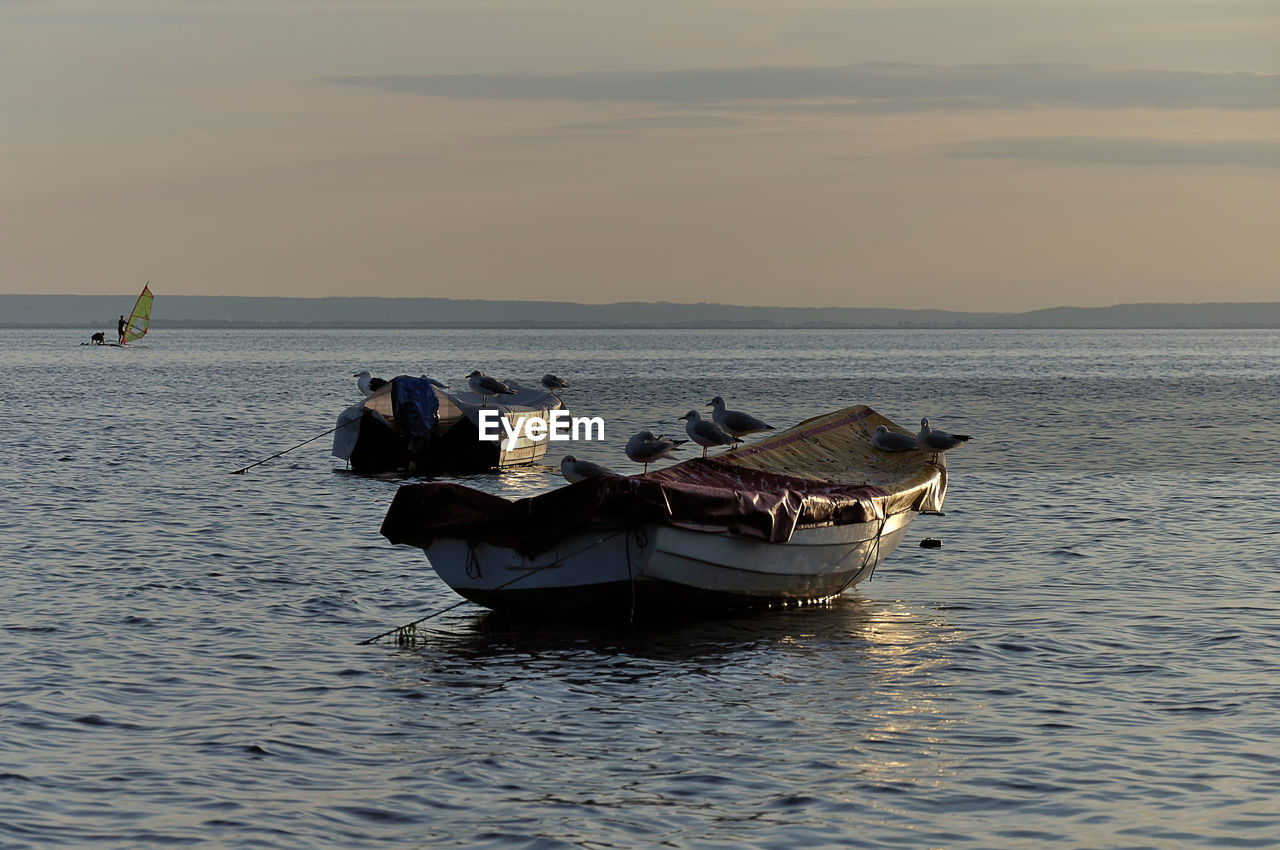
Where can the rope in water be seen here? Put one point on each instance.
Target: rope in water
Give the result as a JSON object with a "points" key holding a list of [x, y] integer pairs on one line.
{"points": [[408, 627], [291, 448]]}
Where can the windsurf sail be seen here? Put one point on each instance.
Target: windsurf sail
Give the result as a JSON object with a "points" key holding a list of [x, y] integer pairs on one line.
{"points": [[140, 318]]}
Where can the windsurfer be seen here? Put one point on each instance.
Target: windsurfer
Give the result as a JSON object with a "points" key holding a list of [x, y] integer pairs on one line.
{"points": [[120, 328]]}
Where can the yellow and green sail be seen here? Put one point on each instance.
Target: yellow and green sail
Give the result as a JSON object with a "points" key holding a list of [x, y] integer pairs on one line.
{"points": [[140, 318]]}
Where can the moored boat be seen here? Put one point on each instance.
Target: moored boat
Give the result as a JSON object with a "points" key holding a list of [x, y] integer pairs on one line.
{"points": [[800, 516], [414, 425]]}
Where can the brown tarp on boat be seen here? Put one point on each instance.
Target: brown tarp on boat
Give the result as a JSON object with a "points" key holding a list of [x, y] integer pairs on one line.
{"points": [[705, 495], [746, 492]]}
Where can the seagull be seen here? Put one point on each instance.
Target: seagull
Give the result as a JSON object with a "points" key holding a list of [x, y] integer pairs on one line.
{"points": [[892, 441], [551, 383], [938, 441], [367, 383], [706, 433], [485, 386], [735, 422], [575, 470], [646, 448]]}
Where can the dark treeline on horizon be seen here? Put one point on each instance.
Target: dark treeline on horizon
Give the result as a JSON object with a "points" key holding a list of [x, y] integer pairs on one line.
{"points": [[212, 312]]}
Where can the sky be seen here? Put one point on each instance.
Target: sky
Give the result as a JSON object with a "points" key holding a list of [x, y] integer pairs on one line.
{"points": [[984, 156]]}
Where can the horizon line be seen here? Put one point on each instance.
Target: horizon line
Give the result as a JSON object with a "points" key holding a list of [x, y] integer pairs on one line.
{"points": [[1112, 306]]}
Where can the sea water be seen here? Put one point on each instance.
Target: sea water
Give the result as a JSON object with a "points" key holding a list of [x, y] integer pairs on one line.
{"points": [[1092, 659]]}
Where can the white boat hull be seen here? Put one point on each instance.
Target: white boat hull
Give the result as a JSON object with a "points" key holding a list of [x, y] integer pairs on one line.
{"points": [[654, 569]]}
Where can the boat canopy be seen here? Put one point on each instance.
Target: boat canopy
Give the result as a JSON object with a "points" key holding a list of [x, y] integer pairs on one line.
{"points": [[820, 472]]}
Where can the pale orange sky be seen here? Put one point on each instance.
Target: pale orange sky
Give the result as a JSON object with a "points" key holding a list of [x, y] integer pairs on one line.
{"points": [[1014, 155]]}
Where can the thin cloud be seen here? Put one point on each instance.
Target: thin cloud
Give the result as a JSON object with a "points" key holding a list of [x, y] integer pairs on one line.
{"points": [[657, 122], [1124, 151], [889, 87]]}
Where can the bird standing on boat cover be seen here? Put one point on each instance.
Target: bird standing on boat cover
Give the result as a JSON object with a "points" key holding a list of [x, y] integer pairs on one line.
{"points": [[892, 441], [938, 442], [551, 383], [706, 433], [367, 383], [485, 386], [645, 448], [735, 422], [575, 470]]}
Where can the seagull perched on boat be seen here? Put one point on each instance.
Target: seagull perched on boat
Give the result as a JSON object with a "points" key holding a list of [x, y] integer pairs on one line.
{"points": [[645, 448], [367, 383], [735, 422], [892, 441], [575, 470], [706, 433], [485, 386], [551, 383], [936, 441]]}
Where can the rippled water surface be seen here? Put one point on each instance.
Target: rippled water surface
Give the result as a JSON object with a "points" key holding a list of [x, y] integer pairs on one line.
{"points": [[1091, 660]]}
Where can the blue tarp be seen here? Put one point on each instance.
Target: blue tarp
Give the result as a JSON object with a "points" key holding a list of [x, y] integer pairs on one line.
{"points": [[414, 405]]}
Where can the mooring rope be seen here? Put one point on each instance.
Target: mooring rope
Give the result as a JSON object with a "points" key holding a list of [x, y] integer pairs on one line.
{"points": [[291, 448], [407, 626], [533, 571], [875, 560], [872, 555], [460, 602], [642, 540]]}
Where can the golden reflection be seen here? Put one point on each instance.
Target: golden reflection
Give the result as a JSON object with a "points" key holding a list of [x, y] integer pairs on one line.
{"points": [[518, 482]]}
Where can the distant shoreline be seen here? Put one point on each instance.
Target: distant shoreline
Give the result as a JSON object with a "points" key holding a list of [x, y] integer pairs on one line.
{"points": [[212, 312], [247, 326]]}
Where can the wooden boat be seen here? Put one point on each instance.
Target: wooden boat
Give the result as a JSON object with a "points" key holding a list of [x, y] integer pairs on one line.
{"points": [[800, 516], [414, 425]]}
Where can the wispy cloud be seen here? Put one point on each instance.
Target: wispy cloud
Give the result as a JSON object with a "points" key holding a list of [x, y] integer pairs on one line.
{"points": [[874, 86], [1125, 151], [657, 122]]}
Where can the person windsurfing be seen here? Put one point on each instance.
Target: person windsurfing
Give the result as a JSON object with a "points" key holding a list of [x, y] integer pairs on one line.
{"points": [[120, 328]]}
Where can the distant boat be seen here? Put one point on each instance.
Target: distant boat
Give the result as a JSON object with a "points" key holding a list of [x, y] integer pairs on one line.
{"points": [[800, 516], [140, 318]]}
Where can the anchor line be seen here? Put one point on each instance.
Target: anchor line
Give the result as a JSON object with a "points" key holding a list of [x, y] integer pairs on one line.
{"points": [[532, 571]]}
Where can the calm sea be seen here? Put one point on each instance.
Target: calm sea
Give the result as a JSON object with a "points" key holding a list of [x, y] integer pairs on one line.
{"points": [[1091, 660]]}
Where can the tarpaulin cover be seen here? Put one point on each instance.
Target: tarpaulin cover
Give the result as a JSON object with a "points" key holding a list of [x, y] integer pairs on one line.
{"points": [[413, 405], [702, 494]]}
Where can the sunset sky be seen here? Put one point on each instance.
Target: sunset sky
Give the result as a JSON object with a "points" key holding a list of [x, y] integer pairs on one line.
{"points": [[975, 156]]}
